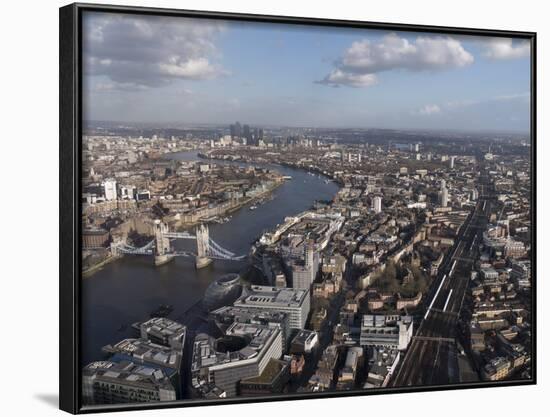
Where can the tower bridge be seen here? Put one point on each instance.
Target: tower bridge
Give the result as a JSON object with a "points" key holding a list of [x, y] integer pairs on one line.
{"points": [[161, 249]]}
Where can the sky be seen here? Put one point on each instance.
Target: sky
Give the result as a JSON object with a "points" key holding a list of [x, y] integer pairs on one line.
{"points": [[173, 70]]}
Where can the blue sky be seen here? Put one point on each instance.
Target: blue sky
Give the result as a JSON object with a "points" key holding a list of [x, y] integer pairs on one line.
{"points": [[175, 70]]}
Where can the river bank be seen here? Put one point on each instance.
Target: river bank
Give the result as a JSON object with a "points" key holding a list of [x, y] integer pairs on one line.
{"points": [[231, 210], [313, 171], [89, 272], [126, 291]]}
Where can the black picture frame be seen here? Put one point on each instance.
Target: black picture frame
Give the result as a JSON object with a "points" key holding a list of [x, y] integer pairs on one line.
{"points": [[70, 260]]}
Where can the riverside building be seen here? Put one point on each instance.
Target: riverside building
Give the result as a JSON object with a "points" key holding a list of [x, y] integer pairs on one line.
{"points": [[218, 365], [108, 382], [294, 302]]}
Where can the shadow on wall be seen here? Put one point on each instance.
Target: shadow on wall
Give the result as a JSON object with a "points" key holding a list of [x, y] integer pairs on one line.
{"points": [[49, 399]]}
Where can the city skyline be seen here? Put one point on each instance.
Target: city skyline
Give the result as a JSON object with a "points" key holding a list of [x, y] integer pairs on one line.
{"points": [[178, 70]]}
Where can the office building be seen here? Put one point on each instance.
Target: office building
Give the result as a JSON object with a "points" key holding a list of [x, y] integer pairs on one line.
{"points": [[109, 189], [305, 270], [224, 317], [443, 194], [243, 352], [377, 204], [127, 192], [109, 382], [143, 195], [444, 197], [304, 342], [164, 332], [146, 352], [294, 302], [246, 132], [271, 381], [236, 130], [389, 331]]}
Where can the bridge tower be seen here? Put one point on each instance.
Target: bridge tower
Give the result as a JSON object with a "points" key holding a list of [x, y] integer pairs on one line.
{"points": [[203, 247], [162, 244]]}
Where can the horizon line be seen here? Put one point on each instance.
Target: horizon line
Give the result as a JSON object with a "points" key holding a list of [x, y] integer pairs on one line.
{"points": [[174, 125]]}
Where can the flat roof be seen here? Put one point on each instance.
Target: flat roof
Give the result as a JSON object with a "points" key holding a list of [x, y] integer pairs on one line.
{"points": [[263, 296]]}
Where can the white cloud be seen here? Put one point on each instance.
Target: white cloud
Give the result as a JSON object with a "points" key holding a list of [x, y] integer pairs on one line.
{"points": [[149, 51], [394, 52], [338, 77], [506, 48], [109, 87], [365, 58], [429, 109], [192, 69]]}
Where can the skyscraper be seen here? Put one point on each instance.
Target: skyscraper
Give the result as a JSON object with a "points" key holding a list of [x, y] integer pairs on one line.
{"points": [[443, 194], [304, 271], [246, 132], [236, 130], [377, 204], [444, 197]]}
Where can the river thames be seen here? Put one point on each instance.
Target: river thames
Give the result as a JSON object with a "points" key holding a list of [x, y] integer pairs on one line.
{"points": [[127, 290]]}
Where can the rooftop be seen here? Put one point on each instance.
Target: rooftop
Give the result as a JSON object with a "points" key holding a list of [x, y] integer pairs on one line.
{"points": [[271, 296], [128, 373], [242, 341], [164, 328], [146, 352]]}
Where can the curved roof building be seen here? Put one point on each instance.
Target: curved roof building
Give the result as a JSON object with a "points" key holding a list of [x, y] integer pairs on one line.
{"points": [[223, 291]]}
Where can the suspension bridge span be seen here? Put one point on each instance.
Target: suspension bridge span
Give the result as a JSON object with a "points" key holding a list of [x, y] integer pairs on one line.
{"points": [[160, 247]]}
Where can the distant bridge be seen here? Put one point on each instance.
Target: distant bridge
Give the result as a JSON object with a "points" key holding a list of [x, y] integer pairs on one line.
{"points": [[161, 248]]}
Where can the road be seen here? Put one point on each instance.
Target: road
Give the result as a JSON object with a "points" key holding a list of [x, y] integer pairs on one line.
{"points": [[432, 356]]}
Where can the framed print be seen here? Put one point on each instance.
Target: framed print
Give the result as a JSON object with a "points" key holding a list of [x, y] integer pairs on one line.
{"points": [[265, 208]]}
